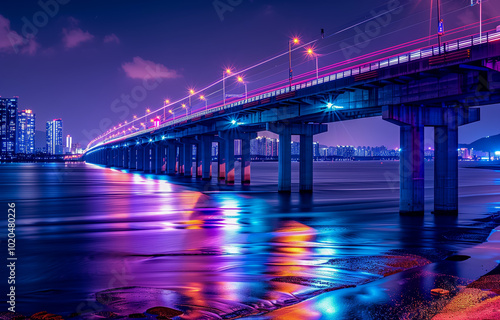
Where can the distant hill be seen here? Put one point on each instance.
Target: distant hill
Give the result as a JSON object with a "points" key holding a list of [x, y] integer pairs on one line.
{"points": [[487, 144]]}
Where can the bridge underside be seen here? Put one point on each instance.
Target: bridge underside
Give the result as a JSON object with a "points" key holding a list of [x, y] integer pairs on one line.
{"points": [[440, 92]]}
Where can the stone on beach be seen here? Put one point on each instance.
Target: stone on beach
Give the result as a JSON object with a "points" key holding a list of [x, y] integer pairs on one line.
{"points": [[164, 312]]}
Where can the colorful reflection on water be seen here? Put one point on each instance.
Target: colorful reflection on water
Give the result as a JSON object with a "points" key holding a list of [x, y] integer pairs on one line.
{"points": [[94, 239]]}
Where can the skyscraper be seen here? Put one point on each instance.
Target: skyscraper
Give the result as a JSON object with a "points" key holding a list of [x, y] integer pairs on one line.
{"points": [[8, 113], [54, 137], [69, 143], [25, 132]]}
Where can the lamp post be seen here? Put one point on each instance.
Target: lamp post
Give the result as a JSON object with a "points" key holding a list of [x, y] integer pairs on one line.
{"points": [[185, 107], [480, 2], [228, 72], [172, 113], [440, 24], [202, 97], [191, 92], [310, 52], [240, 79], [147, 111], [165, 108], [290, 74]]}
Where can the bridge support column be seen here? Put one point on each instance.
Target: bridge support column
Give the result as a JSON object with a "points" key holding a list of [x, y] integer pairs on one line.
{"points": [[146, 159], [152, 162], [107, 155], [285, 161], [199, 169], [171, 158], [306, 163], [140, 158], [221, 160], [158, 158], [132, 158], [126, 157], [227, 157], [285, 131], [119, 152], [181, 159], [188, 160], [446, 121], [245, 159], [205, 156]]}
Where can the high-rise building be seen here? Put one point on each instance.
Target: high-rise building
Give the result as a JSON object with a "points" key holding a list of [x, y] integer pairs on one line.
{"points": [[8, 113], [25, 132], [69, 143], [55, 136]]}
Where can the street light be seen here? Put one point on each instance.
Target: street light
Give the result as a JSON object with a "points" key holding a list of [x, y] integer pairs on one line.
{"points": [[164, 108], [228, 72], [480, 2], [240, 79], [172, 113], [191, 92], [440, 24], [290, 41], [311, 53], [147, 111], [202, 97], [185, 107]]}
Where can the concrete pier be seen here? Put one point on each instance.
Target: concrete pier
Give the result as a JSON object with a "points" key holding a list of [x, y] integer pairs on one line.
{"points": [[306, 163], [245, 159], [188, 160], [171, 158], [445, 121]]}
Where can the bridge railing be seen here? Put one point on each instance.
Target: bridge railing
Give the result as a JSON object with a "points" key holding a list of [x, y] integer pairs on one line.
{"points": [[413, 55]]}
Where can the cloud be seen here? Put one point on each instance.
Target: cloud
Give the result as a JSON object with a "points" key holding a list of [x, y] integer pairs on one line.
{"points": [[13, 42], [74, 36], [110, 38], [145, 69]]}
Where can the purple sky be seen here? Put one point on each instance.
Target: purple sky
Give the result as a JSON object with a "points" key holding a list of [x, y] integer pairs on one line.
{"points": [[86, 56]]}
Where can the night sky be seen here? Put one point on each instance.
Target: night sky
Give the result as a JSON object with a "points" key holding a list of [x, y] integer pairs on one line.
{"points": [[87, 54]]}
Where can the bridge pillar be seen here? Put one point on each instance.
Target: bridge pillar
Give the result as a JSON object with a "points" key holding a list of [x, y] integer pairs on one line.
{"points": [[181, 159], [285, 161], [132, 160], [188, 159], [126, 157], [146, 158], [153, 153], [171, 158], [158, 158], [119, 152], [285, 131], [205, 156], [227, 156], [411, 164], [221, 160], [140, 157], [446, 121], [306, 163], [109, 157], [245, 159]]}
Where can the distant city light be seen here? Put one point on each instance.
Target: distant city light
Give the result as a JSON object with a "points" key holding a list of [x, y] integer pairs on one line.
{"points": [[497, 153]]}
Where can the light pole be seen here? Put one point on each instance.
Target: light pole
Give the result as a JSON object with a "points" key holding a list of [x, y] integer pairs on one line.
{"points": [[202, 97], [165, 108], [240, 79], [440, 24], [185, 107], [480, 2], [147, 111], [191, 92], [172, 113], [290, 74], [310, 52], [227, 71]]}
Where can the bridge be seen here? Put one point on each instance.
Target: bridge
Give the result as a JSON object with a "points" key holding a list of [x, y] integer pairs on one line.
{"points": [[435, 86]]}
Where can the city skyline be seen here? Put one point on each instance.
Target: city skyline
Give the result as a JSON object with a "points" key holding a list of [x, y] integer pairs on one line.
{"points": [[77, 41]]}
